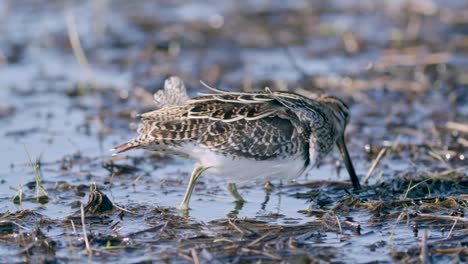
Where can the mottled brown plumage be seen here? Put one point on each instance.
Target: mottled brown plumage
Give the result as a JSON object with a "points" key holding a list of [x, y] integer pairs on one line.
{"points": [[275, 127]]}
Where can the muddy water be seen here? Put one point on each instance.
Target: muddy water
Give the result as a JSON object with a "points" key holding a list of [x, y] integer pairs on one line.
{"points": [[401, 66]]}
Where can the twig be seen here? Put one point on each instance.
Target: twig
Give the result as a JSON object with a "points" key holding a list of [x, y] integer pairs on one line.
{"points": [[222, 240], [123, 209], [445, 217], [423, 255], [457, 126], [73, 226], [184, 256], [451, 229], [339, 224], [85, 236], [137, 179], [260, 238], [20, 226], [374, 164], [194, 254], [236, 227]]}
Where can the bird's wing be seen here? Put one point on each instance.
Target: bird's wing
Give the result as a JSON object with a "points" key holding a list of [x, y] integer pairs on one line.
{"points": [[259, 139], [247, 125], [250, 125]]}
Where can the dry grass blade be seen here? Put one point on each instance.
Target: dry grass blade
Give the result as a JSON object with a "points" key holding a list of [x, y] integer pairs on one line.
{"points": [[21, 226], [85, 236], [457, 126], [445, 217], [374, 164], [339, 224], [73, 226], [194, 254], [123, 209], [236, 227], [253, 243], [184, 256], [423, 255], [451, 229], [413, 59], [77, 49]]}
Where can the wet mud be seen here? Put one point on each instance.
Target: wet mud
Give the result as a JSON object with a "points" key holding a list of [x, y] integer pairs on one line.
{"points": [[75, 74]]}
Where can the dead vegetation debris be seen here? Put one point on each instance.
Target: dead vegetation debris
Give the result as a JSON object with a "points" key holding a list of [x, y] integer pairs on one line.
{"points": [[401, 68]]}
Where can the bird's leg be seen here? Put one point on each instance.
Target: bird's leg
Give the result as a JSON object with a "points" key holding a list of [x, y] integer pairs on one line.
{"points": [[233, 191], [188, 193]]}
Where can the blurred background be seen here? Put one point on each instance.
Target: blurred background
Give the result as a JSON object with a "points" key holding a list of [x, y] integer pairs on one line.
{"points": [[74, 75], [401, 65]]}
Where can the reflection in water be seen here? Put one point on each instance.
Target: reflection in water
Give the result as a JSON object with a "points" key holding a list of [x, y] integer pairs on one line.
{"points": [[235, 212], [268, 188], [267, 198], [243, 208]]}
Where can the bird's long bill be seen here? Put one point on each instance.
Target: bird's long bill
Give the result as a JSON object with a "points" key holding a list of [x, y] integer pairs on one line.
{"points": [[347, 161]]}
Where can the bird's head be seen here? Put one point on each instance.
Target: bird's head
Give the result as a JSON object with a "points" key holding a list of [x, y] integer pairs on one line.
{"points": [[340, 112]]}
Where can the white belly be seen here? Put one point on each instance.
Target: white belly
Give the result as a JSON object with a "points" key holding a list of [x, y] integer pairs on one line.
{"points": [[243, 170]]}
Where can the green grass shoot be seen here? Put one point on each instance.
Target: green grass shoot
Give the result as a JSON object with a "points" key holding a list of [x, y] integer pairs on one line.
{"points": [[38, 176]]}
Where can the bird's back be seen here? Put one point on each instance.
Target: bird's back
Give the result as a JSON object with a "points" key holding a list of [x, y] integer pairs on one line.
{"points": [[249, 126]]}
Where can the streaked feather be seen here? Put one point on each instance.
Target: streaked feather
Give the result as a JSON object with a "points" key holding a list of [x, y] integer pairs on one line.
{"points": [[259, 125]]}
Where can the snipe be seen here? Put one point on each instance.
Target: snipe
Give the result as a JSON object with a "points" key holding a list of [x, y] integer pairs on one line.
{"points": [[244, 137]]}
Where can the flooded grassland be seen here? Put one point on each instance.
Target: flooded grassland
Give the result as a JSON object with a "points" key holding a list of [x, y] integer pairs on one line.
{"points": [[75, 74]]}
